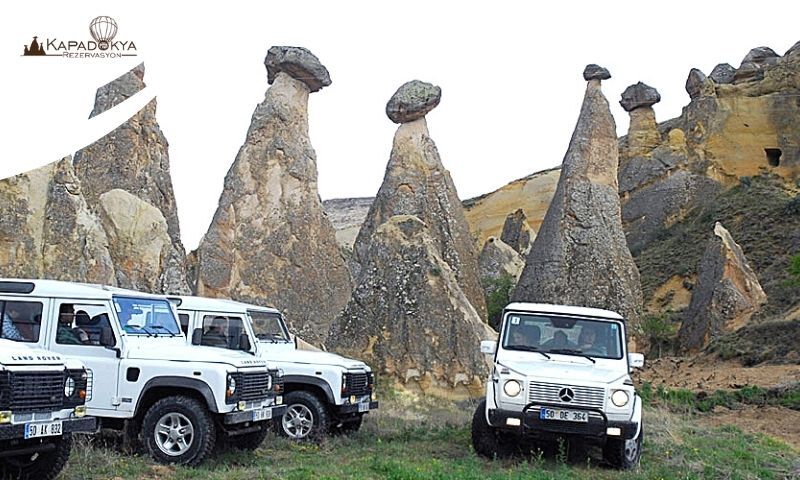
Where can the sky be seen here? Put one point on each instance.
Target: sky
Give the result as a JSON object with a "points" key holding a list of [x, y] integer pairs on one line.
{"points": [[510, 74]]}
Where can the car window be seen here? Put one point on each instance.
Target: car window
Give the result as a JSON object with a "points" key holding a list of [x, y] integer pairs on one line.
{"points": [[568, 335], [21, 321], [84, 324], [184, 319], [269, 326], [222, 331]]}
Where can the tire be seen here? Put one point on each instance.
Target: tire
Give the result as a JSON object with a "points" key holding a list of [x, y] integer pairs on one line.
{"points": [[306, 417], [624, 454], [486, 439], [178, 417], [39, 466], [249, 441]]}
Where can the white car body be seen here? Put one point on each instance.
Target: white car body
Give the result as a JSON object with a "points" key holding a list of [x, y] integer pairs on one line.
{"points": [[319, 371], [562, 383], [136, 369]]}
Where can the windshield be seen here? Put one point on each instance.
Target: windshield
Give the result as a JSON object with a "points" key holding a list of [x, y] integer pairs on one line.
{"points": [[269, 326], [563, 335], [146, 316]]}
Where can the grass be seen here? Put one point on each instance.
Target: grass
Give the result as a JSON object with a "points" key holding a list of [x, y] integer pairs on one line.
{"points": [[684, 401], [424, 441]]}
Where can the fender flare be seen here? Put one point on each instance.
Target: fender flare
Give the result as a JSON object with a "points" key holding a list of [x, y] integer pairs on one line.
{"points": [[195, 384], [309, 380]]}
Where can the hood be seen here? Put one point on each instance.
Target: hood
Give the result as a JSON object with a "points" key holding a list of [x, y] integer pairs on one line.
{"points": [[185, 353], [15, 353], [313, 358], [579, 370]]}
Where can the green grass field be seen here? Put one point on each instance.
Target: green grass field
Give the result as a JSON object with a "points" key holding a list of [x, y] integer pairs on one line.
{"points": [[433, 442]]}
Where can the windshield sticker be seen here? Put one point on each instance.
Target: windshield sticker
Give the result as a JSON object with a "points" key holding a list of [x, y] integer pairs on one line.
{"points": [[613, 327], [514, 320]]}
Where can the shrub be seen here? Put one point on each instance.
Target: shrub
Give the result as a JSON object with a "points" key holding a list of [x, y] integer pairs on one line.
{"points": [[497, 291], [659, 330]]}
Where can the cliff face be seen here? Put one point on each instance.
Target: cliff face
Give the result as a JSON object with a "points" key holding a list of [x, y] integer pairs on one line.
{"points": [[270, 241]]}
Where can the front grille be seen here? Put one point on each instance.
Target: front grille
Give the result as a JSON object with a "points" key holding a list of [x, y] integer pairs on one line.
{"points": [[588, 397], [253, 386], [356, 384], [30, 392]]}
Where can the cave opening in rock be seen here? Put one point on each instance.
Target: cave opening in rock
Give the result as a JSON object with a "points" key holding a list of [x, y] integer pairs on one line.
{"points": [[773, 156]]}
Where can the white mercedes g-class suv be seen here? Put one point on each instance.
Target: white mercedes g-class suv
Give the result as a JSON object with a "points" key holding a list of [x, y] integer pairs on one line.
{"points": [[560, 372], [42, 398], [176, 399], [323, 392]]}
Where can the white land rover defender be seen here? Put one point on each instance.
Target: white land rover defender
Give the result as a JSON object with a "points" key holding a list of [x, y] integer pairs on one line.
{"points": [[323, 392], [145, 380], [560, 372], [42, 398]]}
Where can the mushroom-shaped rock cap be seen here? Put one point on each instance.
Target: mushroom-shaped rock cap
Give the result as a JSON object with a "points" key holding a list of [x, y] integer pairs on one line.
{"points": [[300, 64], [639, 95], [413, 100], [723, 73], [698, 85], [595, 72], [761, 56]]}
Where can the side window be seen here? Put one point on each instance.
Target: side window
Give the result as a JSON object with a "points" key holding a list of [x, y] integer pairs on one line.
{"points": [[21, 321], [184, 319], [84, 324], [222, 331]]}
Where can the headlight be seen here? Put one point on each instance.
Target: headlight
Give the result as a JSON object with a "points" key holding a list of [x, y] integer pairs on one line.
{"points": [[512, 388], [69, 387], [620, 398], [280, 372], [231, 386]]}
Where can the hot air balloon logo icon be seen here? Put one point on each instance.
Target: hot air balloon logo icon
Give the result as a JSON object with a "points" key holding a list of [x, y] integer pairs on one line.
{"points": [[103, 30]]}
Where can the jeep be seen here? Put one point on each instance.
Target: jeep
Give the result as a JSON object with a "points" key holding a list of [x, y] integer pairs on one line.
{"points": [[177, 400], [323, 392], [42, 397], [560, 372]]}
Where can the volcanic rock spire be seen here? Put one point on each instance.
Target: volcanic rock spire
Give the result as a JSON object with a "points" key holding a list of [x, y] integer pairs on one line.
{"points": [[416, 313], [270, 242], [580, 256]]}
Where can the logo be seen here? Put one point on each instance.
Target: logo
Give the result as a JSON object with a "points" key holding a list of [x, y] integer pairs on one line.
{"points": [[566, 394], [103, 43]]}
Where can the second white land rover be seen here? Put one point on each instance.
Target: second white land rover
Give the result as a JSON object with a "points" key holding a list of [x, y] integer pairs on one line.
{"points": [[323, 392], [560, 371], [178, 400]]}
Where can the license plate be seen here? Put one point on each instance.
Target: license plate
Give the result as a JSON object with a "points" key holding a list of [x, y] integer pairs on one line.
{"points": [[49, 429], [563, 415], [263, 414], [363, 407]]}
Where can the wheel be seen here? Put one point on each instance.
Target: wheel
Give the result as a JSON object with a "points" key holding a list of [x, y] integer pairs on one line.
{"points": [[624, 454], [486, 439], [306, 416], [178, 430], [38, 466], [249, 441]]}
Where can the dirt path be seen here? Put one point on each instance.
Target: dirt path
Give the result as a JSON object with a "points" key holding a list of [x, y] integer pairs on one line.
{"points": [[709, 374]]}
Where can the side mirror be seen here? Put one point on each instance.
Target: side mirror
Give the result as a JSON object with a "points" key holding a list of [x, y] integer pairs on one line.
{"points": [[488, 347], [636, 360], [294, 339], [197, 336], [244, 342]]}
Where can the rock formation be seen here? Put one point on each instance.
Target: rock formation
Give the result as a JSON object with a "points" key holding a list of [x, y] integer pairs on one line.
{"points": [[417, 311], [409, 317], [416, 183], [134, 158], [48, 231], [580, 256], [517, 233], [726, 295], [270, 241], [498, 259]]}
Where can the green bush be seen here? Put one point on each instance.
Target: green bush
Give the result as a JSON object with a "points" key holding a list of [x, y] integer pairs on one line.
{"points": [[794, 270], [660, 331], [497, 292]]}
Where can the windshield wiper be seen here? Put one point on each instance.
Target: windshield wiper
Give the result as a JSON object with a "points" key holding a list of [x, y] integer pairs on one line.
{"points": [[572, 351], [528, 348], [162, 327]]}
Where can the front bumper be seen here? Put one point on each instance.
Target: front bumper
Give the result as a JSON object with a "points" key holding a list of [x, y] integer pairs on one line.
{"points": [[235, 418], [354, 408], [531, 425], [72, 425]]}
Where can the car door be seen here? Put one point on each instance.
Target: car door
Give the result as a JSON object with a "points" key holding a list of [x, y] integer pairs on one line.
{"points": [[84, 329]]}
